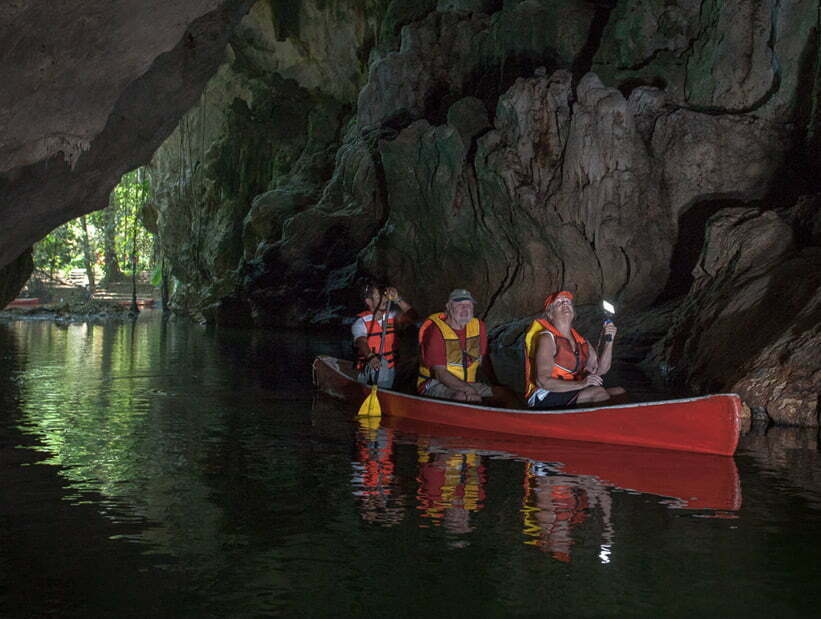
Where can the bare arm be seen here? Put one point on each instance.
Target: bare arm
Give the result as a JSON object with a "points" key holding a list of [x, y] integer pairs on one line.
{"points": [[545, 356], [592, 365], [362, 348], [404, 306], [607, 350], [407, 315]]}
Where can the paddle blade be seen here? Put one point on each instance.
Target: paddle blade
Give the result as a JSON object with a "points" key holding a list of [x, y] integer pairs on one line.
{"points": [[370, 407], [369, 427]]}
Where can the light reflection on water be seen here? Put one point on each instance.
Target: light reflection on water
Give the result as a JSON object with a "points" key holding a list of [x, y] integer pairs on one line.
{"points": [[245, 494]]}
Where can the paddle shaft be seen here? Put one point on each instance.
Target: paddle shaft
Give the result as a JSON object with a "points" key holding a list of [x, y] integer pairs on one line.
{"points": [[383, 325], [371, 407]]}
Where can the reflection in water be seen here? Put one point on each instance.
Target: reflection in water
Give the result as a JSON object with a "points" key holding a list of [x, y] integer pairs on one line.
{"points": [[451, 487], [554, 504], [373, 476], [103, 401], [202, 461], [565, 482]]}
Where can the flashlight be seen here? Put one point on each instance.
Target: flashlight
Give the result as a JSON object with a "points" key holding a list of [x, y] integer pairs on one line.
{"points": [[609, 310]]}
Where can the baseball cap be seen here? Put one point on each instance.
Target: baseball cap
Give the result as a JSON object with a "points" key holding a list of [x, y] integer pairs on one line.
{"points": [[552, 297], [460, 294]]}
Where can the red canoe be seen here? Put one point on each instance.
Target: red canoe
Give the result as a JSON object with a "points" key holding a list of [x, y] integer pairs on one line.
{"points": [[708, 424], [141, 303], [23, 302]]}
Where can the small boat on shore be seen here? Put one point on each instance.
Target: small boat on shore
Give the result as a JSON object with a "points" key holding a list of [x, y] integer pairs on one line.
{"points": [[708, 424], [24, 302], [141, 303]]}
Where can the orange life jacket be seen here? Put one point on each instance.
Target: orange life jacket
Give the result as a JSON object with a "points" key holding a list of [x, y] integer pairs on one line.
{"points": [[386, 348], [567, 364]]}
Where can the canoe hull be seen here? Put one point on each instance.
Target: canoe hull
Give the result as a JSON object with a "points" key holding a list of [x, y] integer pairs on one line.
{"points": [[23, 302], [141, 303], [708, 424]]}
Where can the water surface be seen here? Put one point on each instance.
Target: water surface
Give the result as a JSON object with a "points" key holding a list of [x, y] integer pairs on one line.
{"points": [[160, 468]]}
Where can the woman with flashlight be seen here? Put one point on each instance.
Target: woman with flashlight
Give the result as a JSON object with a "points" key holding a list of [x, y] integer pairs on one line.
{"points": [[561, 368]]}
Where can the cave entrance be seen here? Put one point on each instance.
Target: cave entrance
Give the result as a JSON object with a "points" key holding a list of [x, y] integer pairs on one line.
{"points": [[109, 255], [692, 229]]}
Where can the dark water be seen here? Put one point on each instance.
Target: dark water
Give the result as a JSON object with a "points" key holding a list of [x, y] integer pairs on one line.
{"points": [[161, 469]]}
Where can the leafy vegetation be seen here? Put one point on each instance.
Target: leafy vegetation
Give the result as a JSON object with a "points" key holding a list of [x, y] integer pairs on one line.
{"points": [[109, 244]]}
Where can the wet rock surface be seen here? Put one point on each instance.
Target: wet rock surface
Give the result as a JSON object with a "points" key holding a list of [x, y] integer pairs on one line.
{"points": [[752, 320], [13, 277]]}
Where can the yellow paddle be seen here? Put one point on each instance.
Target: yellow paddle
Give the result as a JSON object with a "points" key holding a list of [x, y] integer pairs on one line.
{"points": [[370, 407]]}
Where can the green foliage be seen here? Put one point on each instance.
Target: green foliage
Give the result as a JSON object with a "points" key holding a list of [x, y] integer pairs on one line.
{"points": [[59, 250], [128, 200], [117, 227], [156, 275]]}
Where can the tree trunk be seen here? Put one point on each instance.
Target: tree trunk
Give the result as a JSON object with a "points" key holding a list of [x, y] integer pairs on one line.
{"points": [[111, 265], [88, 257], [134, 307], [166, 273]]}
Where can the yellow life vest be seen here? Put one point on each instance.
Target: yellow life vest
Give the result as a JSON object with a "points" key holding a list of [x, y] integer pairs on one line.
{"points": [[462, 362]]}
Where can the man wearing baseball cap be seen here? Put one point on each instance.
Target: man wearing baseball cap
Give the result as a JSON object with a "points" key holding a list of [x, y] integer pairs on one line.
{"points": [[451, 347], [561, 368]]}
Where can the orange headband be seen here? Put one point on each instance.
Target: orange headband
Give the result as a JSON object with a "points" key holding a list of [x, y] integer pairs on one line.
{"points": [[552, 298]]}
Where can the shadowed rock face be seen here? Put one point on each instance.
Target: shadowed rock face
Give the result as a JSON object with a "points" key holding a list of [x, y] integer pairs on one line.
{"points": [[89, 91], [560, 182], [480, 152], [508, 147], [13, 277], [752, 320]]}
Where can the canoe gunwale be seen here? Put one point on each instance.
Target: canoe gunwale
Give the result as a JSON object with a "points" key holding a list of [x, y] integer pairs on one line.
{"points": [[677, 425], [527, 411]]}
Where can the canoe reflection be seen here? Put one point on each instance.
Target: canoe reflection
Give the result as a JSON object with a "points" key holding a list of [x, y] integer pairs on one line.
{"points": [[565, 483], [692, 481]]}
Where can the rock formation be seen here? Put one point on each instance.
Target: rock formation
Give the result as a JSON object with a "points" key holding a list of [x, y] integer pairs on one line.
{"points": [[89, 92], [750, 323], [661, 154]]}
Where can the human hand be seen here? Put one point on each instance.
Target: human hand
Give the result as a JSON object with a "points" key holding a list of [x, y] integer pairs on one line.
{"points": [[374, 362], [473, 396], [610, 331], [392, 294], [468, 394], [592, 380]]}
